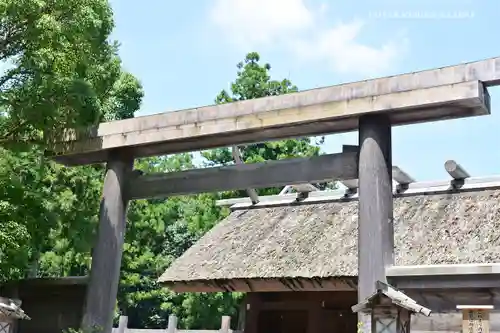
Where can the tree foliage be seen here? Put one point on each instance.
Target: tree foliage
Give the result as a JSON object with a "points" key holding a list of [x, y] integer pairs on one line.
{"points": [[49, 212], [60, 69], [178, 222], [253, 80], [158, 232]]}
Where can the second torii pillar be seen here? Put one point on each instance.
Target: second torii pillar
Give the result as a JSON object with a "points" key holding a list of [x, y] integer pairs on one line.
{"points": [[375, 215]]}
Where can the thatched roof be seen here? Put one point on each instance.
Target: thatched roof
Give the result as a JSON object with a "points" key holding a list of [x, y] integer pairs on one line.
{"points": [[320, 240]]}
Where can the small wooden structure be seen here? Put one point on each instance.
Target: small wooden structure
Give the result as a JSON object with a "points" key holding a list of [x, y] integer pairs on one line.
{"points": [[389, 310], [53, 304], [372, 107], [10, 313]]}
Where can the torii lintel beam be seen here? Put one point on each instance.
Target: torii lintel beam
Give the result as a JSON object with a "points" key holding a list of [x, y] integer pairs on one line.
{"points": [[431, 95]]}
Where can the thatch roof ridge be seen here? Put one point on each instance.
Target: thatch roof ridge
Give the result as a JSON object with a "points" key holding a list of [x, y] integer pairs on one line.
{"points": [[319, 239]]}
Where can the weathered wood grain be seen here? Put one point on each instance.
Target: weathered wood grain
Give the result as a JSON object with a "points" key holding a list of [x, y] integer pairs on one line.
{"points": [[107, 252], [375, 219], [332, 110], [244, 176]]}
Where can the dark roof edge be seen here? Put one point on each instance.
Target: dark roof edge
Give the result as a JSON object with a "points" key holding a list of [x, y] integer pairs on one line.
{"points": [[263, 284]]}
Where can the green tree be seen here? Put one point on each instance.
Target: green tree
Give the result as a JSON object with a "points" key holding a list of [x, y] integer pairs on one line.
{"points": [[158, 231], [47, 208], [60, 69], [253, 80], [161, 230]]}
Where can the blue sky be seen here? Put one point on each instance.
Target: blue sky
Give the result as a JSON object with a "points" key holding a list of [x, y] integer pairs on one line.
{"points": [[185, 52]]}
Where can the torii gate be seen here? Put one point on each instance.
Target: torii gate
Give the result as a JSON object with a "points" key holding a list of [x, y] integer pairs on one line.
{"points": [[371, 106]]}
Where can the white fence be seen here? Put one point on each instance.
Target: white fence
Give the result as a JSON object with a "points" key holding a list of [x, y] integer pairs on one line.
{"points": [[225, 327]]}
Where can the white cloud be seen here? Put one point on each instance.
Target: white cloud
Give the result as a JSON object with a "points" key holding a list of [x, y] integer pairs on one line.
{"points": [[338, 46], [252, 24], [257, 22]]}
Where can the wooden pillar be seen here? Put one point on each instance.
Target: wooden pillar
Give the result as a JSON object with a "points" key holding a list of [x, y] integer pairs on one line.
{"points": [[107, 253], [375, 221]]}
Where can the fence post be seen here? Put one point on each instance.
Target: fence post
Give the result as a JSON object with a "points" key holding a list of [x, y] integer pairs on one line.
{"points": [[122, 324], [172, 324], [225, 325]]}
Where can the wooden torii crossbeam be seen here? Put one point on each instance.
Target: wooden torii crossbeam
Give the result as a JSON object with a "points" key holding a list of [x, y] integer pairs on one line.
{"points": [[245, 176], [371, 106], [444, 93]]}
